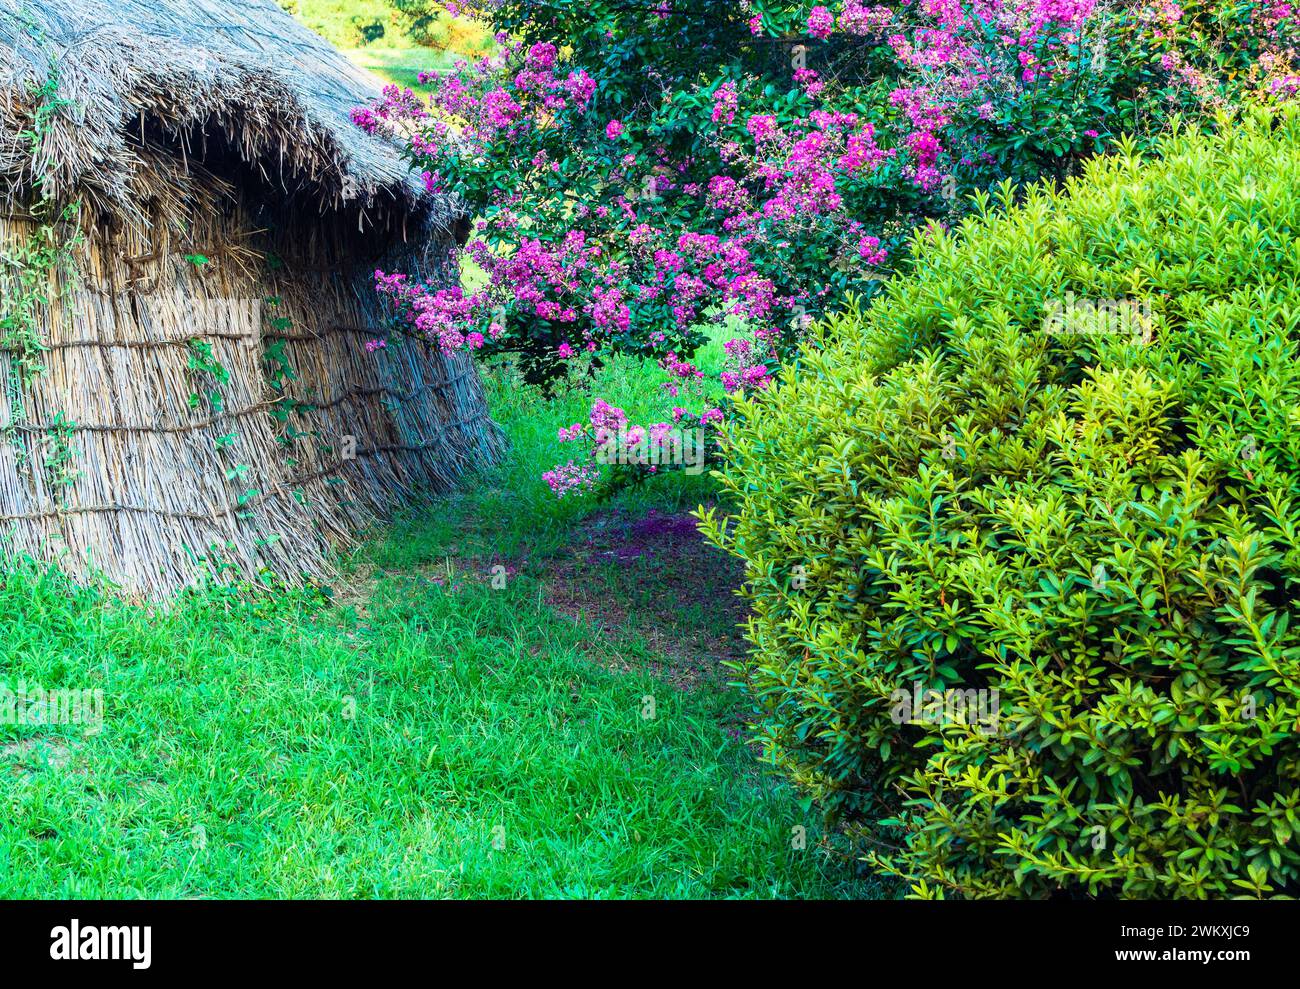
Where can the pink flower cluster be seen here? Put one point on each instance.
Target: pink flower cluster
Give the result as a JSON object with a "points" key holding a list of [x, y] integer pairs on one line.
{"points": [[820, 23], [444, 316], [613, 439], [489, 100], [396, 105], [681, 373], [743, 368], [571, 478]]}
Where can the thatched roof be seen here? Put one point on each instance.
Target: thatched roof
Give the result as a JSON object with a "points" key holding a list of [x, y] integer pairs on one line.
{"points": [[189, 73], [188, 127]]}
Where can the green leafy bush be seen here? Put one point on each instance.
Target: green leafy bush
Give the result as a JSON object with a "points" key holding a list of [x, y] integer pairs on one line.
{"points": [[993, 479]]}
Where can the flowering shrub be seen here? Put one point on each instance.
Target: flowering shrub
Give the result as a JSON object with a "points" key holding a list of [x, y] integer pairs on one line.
{"points": [[633, 453], [618, 196], [634, 172], [1021, 540]]}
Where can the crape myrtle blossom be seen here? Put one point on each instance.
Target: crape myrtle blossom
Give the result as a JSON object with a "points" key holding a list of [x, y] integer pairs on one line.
{"points": [[746, 365], [571, 478], [625, 452], [820, 23]]}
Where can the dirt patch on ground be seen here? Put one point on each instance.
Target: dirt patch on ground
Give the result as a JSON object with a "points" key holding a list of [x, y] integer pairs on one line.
{"points": [[655, 578], [655, 595]]}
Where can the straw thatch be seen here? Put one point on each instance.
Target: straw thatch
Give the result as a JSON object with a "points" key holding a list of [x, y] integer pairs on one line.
{"points": [[185, 130]]}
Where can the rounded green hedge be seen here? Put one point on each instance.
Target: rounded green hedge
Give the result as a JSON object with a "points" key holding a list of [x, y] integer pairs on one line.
{"points": [[1059, 460]]}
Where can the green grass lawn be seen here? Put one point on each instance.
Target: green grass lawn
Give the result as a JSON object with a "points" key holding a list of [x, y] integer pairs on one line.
{"points": [[419, 733], [400, 65]]}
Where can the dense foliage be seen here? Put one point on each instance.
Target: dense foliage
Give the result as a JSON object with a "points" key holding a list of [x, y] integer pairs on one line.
{"points": [[1050, 477], [634, 166], [640, 171]]}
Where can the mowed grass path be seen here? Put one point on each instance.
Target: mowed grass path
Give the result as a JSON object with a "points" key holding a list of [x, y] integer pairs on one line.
{"points": [[421, 735]]}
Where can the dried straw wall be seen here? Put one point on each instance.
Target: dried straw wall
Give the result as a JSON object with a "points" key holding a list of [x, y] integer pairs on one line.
{"points": [[150, 487]]}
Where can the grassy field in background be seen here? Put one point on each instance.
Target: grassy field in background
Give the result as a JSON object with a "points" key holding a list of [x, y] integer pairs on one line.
{"points": [[399, 65], [418, 732], [395, 56]]}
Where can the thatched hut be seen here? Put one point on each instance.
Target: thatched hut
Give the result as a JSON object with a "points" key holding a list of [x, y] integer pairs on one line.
{"points": [[188, 234]]}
